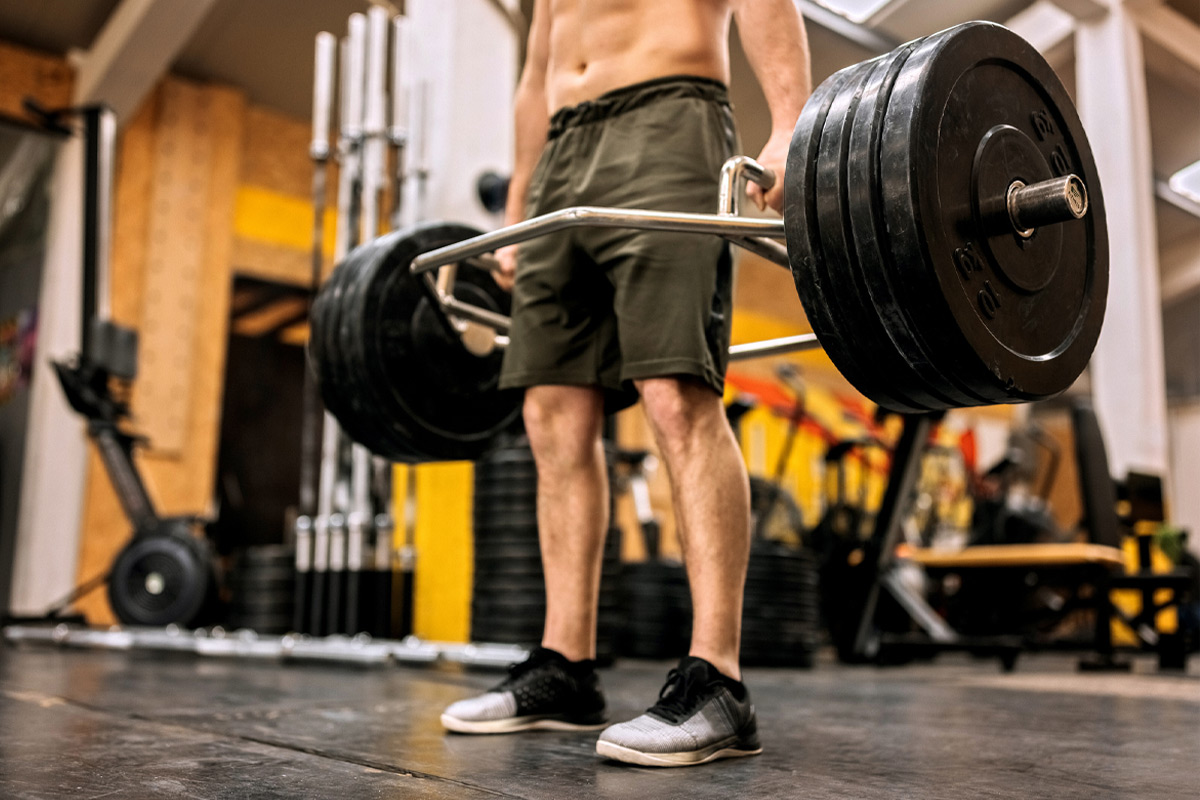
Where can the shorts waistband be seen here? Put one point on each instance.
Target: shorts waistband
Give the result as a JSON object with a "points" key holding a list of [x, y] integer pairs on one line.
{"points": [[636, 95]]}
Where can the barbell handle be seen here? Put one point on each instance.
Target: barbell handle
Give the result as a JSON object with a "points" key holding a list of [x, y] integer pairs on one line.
{"points": [[736, 168]]}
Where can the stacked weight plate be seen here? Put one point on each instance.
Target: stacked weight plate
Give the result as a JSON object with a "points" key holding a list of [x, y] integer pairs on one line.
{"points": [[508, 601], [389, 365], [780, 613], [262, 589], [914, 279], [780, 616], [657, 610]]}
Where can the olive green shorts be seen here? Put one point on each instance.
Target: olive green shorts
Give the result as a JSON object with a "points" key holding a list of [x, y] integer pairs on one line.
{"points": [[607, 306]]}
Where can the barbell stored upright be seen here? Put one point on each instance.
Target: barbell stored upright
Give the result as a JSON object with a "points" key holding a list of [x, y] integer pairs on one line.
{"points": [[944, 227]]}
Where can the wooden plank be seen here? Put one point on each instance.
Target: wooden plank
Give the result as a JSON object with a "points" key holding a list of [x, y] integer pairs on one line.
{"points": [[28, 73], [271, 318], [1019, 555]]}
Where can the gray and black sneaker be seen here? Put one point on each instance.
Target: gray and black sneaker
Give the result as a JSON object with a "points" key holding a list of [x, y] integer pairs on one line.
{"points": [[543, 692], [700, 716]]}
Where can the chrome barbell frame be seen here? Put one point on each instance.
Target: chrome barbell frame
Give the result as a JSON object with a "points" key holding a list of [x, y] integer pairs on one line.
{"points": [[750, 233]]}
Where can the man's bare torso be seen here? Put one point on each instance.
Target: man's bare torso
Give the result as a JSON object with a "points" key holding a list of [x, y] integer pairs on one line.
{"points": [[597, 46]]}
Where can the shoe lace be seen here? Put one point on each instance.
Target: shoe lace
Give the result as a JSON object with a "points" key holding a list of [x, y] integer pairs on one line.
{"points": [[679, 696]]}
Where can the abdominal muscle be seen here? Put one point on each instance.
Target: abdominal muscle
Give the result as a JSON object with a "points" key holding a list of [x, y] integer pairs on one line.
{"points": [[597, 46]]}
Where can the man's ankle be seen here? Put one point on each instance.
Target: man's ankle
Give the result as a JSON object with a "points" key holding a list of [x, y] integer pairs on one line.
{"points": [[571, 654], [728, 667]]}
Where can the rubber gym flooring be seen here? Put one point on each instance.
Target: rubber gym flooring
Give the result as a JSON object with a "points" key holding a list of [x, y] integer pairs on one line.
{"points": [[91, 724]]}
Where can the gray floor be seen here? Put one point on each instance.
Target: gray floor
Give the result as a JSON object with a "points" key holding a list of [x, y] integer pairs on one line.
{"points": [[90, 724]]}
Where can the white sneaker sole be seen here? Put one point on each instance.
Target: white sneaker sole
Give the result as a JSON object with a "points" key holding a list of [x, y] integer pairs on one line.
{"points": [[682, 759], [515, 725]]}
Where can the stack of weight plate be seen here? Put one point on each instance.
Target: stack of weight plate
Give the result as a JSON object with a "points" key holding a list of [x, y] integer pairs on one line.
{"points": [[262, 589], [781, 612], [916, 283], [657, 610], [781, 606], [508, 602], [390, 367]]}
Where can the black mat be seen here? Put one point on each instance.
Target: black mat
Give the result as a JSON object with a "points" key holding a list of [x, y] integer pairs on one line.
{"points": [[87, 724]]}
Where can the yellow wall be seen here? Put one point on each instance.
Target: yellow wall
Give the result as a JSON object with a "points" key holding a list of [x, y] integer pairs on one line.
{"points": [[444, 546]]}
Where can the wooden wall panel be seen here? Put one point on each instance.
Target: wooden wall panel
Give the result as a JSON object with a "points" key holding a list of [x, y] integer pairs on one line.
{"points": [[131, 212], [271, 262], [183, 159], [186, 483], [276, 152]]}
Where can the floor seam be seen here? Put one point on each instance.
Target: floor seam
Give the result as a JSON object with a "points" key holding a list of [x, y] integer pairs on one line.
{"points": [[362, 762]]}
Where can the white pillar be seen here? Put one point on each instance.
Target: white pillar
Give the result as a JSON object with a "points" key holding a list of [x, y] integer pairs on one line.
{"points": [[47, 546], [1127, 368], [467, 64]]}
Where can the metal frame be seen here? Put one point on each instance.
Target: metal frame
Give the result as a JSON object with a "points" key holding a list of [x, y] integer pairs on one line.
{"points": [[750, 233], [359, 650]]}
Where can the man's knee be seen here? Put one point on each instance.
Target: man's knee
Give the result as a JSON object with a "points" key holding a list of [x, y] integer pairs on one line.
{"points": [[563, 421], [676, 407]]}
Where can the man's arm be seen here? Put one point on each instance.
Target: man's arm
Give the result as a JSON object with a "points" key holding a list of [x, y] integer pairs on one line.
{"points": [[531, 125], [776, 44]]}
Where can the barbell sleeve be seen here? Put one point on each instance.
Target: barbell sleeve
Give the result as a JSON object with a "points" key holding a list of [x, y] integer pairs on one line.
{"points": [[326, 53], [1046, 202]]}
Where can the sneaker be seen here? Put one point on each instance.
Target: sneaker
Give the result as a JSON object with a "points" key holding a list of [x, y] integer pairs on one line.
{"points": [[700, 716], [544, 692]]}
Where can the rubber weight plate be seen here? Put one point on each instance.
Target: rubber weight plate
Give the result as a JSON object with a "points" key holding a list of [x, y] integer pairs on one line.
{"points": [[341, 392], [806, 253], [869, 353], [448, 398], [382, 431], [1008, 318], [910, 378]]}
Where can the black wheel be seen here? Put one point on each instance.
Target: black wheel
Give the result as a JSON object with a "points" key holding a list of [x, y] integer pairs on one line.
{"points": [[160, 579]]}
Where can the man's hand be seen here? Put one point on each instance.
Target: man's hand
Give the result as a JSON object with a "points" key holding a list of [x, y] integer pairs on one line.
{"points": [[507, 276], [774, 158]]}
